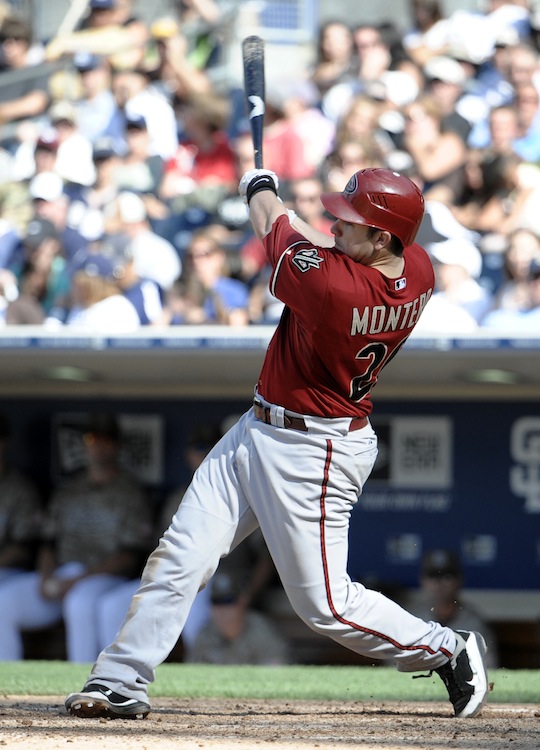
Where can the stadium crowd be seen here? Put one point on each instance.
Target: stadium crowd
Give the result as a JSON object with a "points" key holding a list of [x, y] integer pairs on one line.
{"points": [[119, 169]]}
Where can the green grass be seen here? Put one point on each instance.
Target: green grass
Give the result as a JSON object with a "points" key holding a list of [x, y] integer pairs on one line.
{"points": [[286, 683]]}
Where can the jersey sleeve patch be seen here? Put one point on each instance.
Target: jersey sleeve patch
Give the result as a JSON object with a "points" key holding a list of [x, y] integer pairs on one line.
{"points": [[307, 258]]}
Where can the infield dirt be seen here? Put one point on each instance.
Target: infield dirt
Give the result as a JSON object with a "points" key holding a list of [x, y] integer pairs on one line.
{"points": [[39, 723]]}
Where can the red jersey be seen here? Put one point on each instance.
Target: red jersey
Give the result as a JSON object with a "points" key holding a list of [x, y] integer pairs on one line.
{"points": [[343, 322]]}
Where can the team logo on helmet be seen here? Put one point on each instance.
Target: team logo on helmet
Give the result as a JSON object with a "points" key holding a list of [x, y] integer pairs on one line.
{"points": [[306, 259], [352, 185]]}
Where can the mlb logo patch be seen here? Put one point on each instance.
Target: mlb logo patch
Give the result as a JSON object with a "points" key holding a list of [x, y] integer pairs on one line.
{"points": [[400, 284]]}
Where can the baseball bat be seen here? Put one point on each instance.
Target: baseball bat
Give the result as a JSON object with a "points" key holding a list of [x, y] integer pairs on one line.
{"points": [[253, 58]]}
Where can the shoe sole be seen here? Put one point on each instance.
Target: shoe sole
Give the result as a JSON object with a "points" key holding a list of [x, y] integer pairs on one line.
{"points": [[89, 707], [476, 649]]}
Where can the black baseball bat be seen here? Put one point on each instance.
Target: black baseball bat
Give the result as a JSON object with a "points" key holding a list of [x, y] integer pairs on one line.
{"points": [[253, 57]]}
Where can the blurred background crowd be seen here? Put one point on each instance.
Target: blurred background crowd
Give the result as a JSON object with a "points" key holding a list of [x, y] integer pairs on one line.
{"points": [[122, 143]]}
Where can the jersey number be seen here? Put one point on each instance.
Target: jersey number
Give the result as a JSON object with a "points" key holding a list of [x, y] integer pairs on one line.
{"points": [[376, 357]]}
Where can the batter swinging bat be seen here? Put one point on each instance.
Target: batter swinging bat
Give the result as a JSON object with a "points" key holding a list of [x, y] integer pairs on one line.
{"points": [[253, 56]]}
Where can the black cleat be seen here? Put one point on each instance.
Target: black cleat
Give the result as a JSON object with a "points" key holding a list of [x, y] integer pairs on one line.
{"points": [[96, 701], [465, 675]]}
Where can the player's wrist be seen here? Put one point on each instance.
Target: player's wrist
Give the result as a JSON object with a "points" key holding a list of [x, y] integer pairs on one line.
{"points": [[259, 183]]}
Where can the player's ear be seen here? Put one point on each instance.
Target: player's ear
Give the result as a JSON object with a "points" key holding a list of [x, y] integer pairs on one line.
{"points": [[381, 239]]}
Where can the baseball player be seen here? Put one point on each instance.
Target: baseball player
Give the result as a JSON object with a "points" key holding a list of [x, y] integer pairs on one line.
{"points": [[296, 462]]}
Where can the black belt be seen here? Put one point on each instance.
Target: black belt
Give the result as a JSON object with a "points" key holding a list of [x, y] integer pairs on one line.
{"points": [[298, 423]]}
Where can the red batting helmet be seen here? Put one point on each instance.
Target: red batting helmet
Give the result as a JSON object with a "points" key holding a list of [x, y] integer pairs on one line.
{"points": [[379, 198]]}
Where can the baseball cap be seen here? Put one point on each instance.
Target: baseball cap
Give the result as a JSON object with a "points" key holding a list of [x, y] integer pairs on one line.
{"points": [[457, 252], [225, 589], [48, 140], [104, 424], [104, 148], [446, 69], [63, 111], [93, 264], [438, 563], [131, 207], [84, 61], [38, 230], [46, 186], [102, 4], [136, 121]]}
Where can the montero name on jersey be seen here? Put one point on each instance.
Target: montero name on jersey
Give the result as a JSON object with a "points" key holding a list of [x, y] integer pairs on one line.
{"points": [[380, 318]]}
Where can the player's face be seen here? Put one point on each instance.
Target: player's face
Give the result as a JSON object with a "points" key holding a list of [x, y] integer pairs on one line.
{"points": [[356, 241]]}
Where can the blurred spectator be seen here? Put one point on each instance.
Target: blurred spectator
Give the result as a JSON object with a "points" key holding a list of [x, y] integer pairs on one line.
{"points": [[107, 164], [282, 145], [298, 99], [51, 202], [523, 248], [526, 102], [97, 303], [108, 29], [96, 534], [155, 258], [504, 195], [459, 302], [446, 82], [439, 157], [172, 71], [135, 95], [222, 299], [335, 56], [144, 294], [441, 582], [98, 114], [346, 158], [22, 97], [374, 58], [236, 633], [525, 319], [306, 203], [429, 33], [140, 170], [202, 171], [264, 308], [21, 513], [74, 154], [114, 605], [44, 281]]}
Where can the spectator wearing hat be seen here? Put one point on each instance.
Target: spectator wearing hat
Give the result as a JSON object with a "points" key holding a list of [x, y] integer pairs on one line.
{"points": [[441, 583], [97, 303], [21, 512], [459, 303], [154, 257], [51, 202], [237, 632], [98, 114], [140, 170], [446, 82], [173, 72], [96, 534], [136, 95], [145, 295], [74, 155]]}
